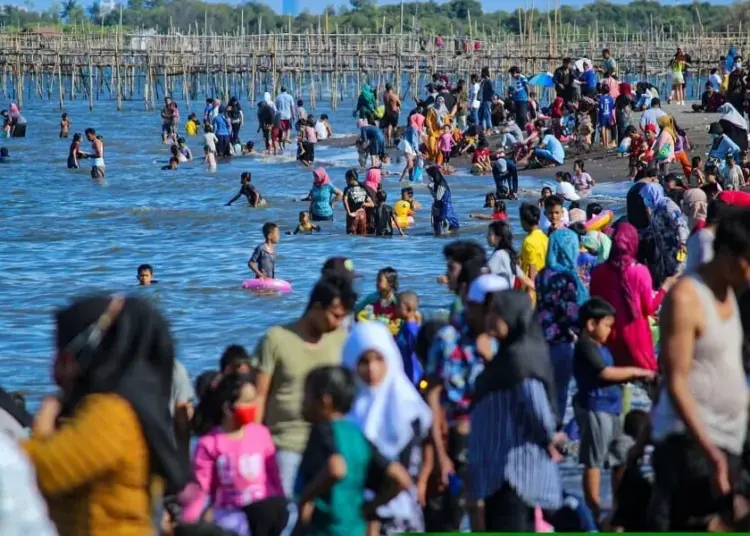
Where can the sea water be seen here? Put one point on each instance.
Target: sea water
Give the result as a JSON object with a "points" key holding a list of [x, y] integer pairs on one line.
{"points": [[65, 235]]}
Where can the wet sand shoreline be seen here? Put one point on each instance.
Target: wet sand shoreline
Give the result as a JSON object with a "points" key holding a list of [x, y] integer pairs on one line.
{"points": [[602, 165]]}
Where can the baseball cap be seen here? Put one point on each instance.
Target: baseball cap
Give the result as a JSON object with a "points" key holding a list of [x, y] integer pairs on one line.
{"points": [[567, 191], [486, 284]]}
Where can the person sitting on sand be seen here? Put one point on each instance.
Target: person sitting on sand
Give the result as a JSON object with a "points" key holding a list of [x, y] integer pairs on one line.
{"points": [[550, 151], [710, 100], [480, 161], [523, 150], [721, 147]]}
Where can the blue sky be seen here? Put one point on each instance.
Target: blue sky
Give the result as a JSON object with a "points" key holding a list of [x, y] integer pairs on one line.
{"points": [[316, 6]]}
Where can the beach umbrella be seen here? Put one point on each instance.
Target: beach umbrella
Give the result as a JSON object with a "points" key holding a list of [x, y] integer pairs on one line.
{"points": [[542, 80]]}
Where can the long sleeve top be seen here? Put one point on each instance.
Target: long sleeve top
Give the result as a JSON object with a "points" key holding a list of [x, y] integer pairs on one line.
{"points": [[630, 342], [94, 471], [234, 472], [510, 432]]}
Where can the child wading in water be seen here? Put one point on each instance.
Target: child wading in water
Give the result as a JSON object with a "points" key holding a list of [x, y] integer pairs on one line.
{"points": [[254, 199], [446, 145], [305, 226], [391, 414], [339, 463], [75, 152], [235, 463], [64, 126], [497, 206], [209, 147], [263, 261], [383, 301]]}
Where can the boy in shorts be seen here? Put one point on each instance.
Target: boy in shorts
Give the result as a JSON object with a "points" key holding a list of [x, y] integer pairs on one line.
{"points": [[598, 402]]}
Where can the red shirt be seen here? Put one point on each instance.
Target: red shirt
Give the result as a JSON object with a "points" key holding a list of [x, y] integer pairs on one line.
{"points": [[503, 216], [480, 153]]}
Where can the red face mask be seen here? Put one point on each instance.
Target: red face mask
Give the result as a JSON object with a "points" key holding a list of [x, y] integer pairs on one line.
{"points": [[245, 414]]}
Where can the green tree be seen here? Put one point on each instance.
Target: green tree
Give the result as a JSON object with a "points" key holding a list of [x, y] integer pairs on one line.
{"points": [[95, 12]]}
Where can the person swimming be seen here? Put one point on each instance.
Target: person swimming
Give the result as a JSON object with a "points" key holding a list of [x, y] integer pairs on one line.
{"points": [[254, 199], [305, 226]]}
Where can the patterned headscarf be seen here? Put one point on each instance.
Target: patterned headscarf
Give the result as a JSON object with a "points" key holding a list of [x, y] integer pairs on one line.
{"points": [[562, 257]]}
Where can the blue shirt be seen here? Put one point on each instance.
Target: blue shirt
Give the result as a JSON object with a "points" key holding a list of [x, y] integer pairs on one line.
{"points": [[554, 146], [285, 105], [606, 105], [320, 197], [588, 80], [406, 339], [221, 126], [520, 91], [593, 393]]}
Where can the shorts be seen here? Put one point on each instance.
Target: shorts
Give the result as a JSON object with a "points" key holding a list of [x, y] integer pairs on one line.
{"points": [[678, 78], [286, 124], [309, 149], [544, 154], [603, 442], [390, 119], [267, 134], [167, 128], [605, 121], [97, 172], [276, 134]]}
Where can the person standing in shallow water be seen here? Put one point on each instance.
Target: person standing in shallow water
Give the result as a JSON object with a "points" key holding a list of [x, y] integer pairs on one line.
{"points": [[97, 145]]}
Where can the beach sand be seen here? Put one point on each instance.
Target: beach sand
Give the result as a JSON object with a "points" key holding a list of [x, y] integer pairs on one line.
{"points": [[603, 166]]}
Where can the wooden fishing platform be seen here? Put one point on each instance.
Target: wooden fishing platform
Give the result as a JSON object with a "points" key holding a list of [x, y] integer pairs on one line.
{"points": [[142, 68]]}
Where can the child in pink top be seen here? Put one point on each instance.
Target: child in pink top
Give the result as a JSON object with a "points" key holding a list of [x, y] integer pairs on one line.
{"points": [[235, 463], [446, 143]]}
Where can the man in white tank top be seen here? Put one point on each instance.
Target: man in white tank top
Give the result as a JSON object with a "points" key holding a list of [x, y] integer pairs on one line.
{"points": [[700, 419]]}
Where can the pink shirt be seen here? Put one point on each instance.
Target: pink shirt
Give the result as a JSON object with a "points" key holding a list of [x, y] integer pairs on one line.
{"points": [[631, 342], [446, 142], [234, 472]]}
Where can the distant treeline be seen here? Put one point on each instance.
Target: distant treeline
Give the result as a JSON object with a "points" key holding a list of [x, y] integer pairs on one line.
{"points": [[450, 18]]}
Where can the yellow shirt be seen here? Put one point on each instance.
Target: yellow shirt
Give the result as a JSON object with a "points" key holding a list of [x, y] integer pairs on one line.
{"points": [[191, 128], [534, 251], [94, 471]]}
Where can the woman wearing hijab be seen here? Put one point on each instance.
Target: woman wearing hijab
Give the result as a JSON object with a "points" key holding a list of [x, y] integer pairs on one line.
{"points": [[627, 286], [734, 125], [322, 196], [667, 231], [665, 143], [597, 243], [411, 142], [366, 105], [444, 218], [437, 117], [114, 366], [695, 206], [391, 414], [512, 457], [560, 292]]}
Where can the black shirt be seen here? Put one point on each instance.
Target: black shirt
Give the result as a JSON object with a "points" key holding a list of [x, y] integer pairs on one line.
{"points": [[636, 207], [251, 192], [355, 196]]}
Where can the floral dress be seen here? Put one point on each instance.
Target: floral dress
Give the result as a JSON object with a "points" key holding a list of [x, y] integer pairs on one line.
{"points": [[557, 306]]}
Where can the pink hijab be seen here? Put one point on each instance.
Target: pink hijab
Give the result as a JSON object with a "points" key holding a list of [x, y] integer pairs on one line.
{"points": [[621, 257], [373, 178], [13, 109], [416, 121], [320, 177]]}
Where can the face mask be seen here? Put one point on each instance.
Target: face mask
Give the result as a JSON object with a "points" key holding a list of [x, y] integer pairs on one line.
{"points": [[738, 65], [245, 414]]}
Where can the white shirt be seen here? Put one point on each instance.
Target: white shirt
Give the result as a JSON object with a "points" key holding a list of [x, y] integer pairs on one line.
{"points": [[474, 96], [210, 139], [700, 249], [23, 512], [500, 265], [321, 131]]}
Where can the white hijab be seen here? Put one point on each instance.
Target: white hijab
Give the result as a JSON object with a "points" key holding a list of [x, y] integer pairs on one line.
{"points": [[385, 413], [269, 101], [729, 113]]}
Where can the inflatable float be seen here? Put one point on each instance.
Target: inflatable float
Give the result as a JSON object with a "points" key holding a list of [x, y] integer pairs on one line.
{"points": [[401, 210], [267, 284], [601, 221]]}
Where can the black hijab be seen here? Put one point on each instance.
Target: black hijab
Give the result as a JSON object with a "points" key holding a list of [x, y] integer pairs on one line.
{"points": [[134, 360], [524, 354], [13, 409]]}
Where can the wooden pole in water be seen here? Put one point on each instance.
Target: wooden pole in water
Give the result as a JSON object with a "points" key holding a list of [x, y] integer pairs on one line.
{"points": [[60, 80]]}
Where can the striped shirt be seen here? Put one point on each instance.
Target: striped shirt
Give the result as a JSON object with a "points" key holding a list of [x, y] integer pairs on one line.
{"points": [[510, 432]]}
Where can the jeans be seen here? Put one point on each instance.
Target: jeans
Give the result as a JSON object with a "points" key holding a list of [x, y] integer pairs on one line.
{"points": [[561, 355], [288, 463], [485, 115], [474, 114], [521, 108]]}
